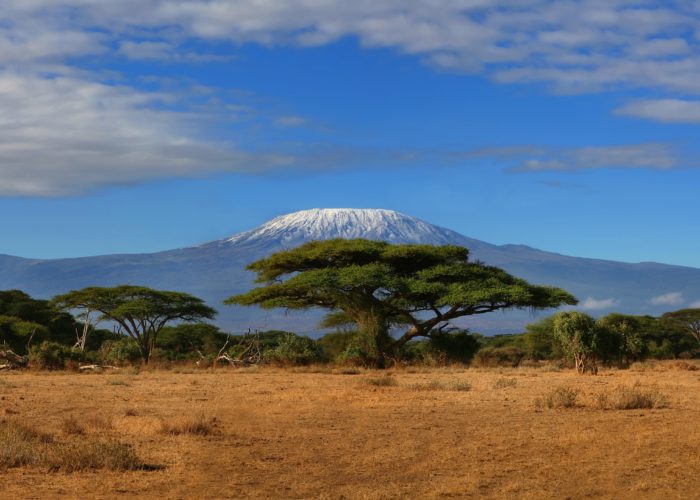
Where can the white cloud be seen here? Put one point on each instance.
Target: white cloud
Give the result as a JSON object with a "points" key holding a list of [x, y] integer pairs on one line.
{"points": [[597, 304], [63, 135], [569, 45], [290, 121], [663, 110], [668, 299], [695, 305], [648, 155], [66, 129]]}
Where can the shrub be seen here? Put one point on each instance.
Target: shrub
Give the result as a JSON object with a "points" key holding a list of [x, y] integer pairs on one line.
{"points": [[195, 426], [632, 398], [295, 350], [443, 348], [684, 365], [53, 356], [561, 397], [502, 383], [436, 385], [385, 381], [336, 343], [489, 357], [122, 351]]}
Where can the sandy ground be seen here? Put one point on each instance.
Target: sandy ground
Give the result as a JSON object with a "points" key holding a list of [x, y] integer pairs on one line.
{"points": [[294, 434]]}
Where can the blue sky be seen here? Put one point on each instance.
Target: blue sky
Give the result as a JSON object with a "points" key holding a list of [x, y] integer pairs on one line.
{"points": [[142, 126]]}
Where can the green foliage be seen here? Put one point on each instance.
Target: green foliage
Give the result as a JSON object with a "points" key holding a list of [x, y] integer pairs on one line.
{"points": [[53, 356], [140, 312], [498, 356], [578, 336], [442, 348], [539, 341], [56, 325], [183, 340], [379, 286], [686, 319], [620, 338], [17, 332], [122, 351], [336, 343], [295, 350]]}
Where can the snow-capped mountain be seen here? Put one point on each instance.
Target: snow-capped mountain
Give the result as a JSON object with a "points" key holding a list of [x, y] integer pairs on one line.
{"points": [[327, 223], [216, 270]]}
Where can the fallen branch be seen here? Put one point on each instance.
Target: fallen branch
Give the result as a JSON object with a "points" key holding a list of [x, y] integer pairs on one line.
{"points": [[97, 367], [12, 359]]}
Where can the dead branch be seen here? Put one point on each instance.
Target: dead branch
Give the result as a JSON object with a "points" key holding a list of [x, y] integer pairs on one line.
{"points": [[97, 367], [12, 359]]}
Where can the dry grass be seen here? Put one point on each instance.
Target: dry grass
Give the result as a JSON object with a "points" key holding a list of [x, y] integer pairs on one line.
{"points": [[21, 445], [632, 398], [383, 381], [280, 434], [561, 397], [192, 425], [438, 385], [503, 383]]}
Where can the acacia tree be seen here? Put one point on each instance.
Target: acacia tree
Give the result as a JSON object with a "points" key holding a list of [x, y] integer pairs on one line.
{"points": [[578, 336], [688, 319], [379, 286], [139, 312]]}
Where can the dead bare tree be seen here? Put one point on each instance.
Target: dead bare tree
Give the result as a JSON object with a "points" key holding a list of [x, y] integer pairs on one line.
{"points": [[251, 354], [81, 335]]}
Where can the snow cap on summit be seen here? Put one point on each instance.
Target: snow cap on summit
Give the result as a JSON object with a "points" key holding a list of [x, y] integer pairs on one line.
{"points": [[329, 223]]}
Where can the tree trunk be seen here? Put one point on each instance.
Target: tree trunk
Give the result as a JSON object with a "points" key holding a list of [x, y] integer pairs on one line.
{"points": [[374, 339]]}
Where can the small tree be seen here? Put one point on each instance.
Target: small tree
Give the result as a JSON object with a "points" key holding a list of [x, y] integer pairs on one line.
{"points": [[621, 337], [139, 312], [688, 319], [379, 286], [578, 336]]}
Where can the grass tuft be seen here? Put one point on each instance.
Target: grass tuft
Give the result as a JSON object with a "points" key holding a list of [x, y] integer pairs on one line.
{"points": [[503, 383], [436, 385], [561, 397], [21, 445], [194, 426], [632, 398], [385, 381]]}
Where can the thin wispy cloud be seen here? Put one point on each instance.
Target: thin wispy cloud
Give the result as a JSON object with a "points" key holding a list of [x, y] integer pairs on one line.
{"points": [[593, 304], [663, 110], [668, 299], [650, 155]]}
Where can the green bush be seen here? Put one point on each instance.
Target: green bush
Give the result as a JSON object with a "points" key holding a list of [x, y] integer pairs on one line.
{"points": [[336, 343], [122, 351], [295, 350], [53, 356], [498, 356]]}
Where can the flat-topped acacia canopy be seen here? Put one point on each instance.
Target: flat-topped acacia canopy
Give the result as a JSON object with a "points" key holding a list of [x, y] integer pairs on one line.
{"points": [[139, 311], [380, 285]]}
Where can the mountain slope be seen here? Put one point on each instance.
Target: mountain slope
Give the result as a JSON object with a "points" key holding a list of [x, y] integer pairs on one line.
{"points": [[216, 270]]}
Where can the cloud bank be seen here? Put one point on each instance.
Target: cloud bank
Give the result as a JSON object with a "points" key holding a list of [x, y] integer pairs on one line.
{"points": [[70, 126]]}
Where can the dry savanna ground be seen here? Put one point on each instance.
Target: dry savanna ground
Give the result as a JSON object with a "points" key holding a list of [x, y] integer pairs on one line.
{"points": [[334, 433]]}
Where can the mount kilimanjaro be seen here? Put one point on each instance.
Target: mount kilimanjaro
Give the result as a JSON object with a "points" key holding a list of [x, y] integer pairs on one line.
{"points": [[216, 270]]}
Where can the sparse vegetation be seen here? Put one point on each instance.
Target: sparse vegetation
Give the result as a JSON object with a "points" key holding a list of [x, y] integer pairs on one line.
{"points": [[189, 425], [503, 383], [21, 445], [634, 397], [384, 381], [561, 397], [437, 385]]}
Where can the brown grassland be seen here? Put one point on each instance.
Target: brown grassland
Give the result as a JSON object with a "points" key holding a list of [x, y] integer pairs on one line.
{"points": [[339, 433]]}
